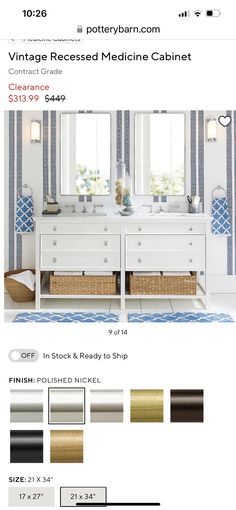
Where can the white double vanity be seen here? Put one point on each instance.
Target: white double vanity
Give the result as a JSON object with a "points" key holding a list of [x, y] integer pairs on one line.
{"points": [[148, 243], [97, 161]]}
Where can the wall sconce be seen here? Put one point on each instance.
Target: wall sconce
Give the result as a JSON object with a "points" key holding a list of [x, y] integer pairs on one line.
{"points": [[35, 131], [211, 130]]}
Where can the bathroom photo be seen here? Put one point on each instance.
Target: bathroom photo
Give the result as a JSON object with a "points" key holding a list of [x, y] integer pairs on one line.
{"points": [[120, 216]]}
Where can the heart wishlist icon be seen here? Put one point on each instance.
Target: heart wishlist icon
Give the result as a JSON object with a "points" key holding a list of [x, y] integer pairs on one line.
{"points": [[224, 120]]}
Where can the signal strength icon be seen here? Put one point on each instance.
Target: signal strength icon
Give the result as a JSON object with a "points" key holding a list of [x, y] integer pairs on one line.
{"points": [[197, 13], [184, 14]]}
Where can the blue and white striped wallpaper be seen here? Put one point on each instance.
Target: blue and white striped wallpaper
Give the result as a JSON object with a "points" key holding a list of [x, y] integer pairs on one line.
{"points": [[123, 140], [15, 177], [197, 154], [49, 155], [15, 184], [231, 190], [123, 152]]}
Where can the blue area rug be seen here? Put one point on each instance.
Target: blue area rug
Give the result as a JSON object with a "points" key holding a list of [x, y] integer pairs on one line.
{"points": [[66, 317], [180, 317]]}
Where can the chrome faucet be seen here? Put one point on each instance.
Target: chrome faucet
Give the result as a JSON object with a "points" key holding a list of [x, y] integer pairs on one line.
{"points": [[148, 205], [95, 206], [71, 205]]}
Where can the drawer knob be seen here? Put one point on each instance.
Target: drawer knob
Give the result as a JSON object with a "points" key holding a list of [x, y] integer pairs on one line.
{"points": [[190, 260], [190, 244], [105, 229], [140, 243], [54, 228], [105, 260], [105, 243], [54, 242], [140, 229], [54, 259], [190, 229], [139, 261]]}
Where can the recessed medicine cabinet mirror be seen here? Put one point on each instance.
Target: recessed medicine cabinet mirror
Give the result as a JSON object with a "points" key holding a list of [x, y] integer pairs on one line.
{"points": [[85, 153], [159, 153]]}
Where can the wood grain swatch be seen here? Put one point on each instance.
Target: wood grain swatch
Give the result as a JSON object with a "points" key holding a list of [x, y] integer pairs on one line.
{"points": [[146, 406], [186, 405], [66, 446]]}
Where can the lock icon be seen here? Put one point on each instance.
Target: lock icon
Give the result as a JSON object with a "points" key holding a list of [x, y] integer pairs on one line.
{"points": [[79, 29]]}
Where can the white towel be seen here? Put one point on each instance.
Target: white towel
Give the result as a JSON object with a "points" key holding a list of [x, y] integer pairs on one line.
{"points": [[68, 273], [27, 278], [176, 273]]}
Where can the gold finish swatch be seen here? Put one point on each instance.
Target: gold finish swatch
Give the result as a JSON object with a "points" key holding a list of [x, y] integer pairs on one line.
{"points": [[66, 446], [146, 406]]}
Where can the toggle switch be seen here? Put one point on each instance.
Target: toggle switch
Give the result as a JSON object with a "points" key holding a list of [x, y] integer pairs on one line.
{"points": [[214, 13], [23, 355]]}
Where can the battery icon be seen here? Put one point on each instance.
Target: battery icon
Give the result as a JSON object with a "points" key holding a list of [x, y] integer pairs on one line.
{"points": [[214, 13]]}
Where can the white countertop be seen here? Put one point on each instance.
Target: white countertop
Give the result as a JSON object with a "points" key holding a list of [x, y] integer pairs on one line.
{"points": [[116, 217]]}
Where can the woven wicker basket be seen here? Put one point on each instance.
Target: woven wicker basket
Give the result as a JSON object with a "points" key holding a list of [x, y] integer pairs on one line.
{"points": [[166, 285], [83, 285], [18, 292]]}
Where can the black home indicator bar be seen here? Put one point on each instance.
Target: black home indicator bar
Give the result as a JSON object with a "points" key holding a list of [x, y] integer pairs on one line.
{"points": [[116, 504]]}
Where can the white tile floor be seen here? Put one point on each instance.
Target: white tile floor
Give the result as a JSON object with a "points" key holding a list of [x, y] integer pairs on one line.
{"points": [[219, 303]]}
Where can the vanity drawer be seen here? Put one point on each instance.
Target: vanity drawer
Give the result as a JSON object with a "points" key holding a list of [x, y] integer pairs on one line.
{"points": [[166, 227], [80, 242], [79, 228], [165, 261], [80, 261], [165, 242]]}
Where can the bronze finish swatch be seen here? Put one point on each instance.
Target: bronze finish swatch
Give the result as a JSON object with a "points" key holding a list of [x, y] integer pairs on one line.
{"points": [[186, 406], [146, 406], [66, 446]]}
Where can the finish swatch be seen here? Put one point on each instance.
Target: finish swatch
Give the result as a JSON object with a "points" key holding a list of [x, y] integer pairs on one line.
{"points": [[66, 446], [146, 406], [26, 406], [66, 405], [106, 406], [186, 406], [26, 446]]}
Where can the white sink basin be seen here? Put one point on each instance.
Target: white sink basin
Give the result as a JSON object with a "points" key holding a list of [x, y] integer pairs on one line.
{"points": [[74, 215], [69, 215], [170, 214], [165, 214], [92, 214]]}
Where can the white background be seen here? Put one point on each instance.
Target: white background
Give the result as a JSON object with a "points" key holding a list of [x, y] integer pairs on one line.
{"points": [[185, 466], [181, 465]]}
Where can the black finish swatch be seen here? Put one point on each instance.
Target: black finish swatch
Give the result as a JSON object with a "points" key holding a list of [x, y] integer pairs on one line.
{"points": [[186, 406], [26, 446]]}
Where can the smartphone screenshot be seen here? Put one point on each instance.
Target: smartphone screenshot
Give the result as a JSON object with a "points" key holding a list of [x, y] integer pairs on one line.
{"points": [[118, 143]]}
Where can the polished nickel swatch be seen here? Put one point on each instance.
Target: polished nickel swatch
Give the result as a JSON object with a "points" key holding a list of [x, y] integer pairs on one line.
{"points": [[186, 405], [66, 405], [106, 406], [146, 406], [66, 446], [26, 446], [26, 406]]}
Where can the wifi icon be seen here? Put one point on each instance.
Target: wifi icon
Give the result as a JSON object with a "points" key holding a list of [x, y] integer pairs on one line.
{"points": [[197, 13]]}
